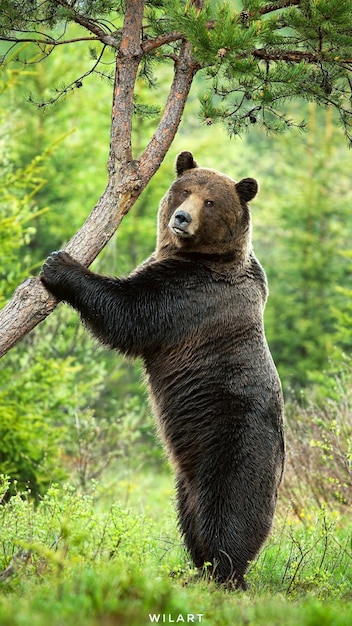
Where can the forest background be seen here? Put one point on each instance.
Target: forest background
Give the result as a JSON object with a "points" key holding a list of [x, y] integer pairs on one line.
{"points": [[71, 411]]}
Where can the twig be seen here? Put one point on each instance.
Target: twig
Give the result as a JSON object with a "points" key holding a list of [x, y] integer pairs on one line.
{"points": [[75, 84], [20, 557], [278, 5], [48, 42]]}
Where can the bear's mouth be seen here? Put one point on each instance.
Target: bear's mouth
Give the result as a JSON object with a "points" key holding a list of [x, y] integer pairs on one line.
{"points": [[181, 223], [179, 231]]}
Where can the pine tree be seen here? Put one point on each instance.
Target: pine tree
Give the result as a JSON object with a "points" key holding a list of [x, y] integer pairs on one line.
{"points": [[256, 58], [307, 264]]}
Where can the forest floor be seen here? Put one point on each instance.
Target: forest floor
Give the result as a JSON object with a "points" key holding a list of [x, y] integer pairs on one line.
{"points": [[114, 557]]}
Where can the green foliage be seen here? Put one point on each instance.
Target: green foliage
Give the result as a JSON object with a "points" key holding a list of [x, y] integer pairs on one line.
{"points": [[76, 560], [304, 557], [19, 187], [256, 59], [305, 266], [67, 526], [30, 424], [343, 314], [254, 78], [17, 222]]}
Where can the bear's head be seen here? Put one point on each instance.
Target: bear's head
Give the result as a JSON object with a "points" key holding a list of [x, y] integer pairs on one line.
{"points": [[205, 213]]}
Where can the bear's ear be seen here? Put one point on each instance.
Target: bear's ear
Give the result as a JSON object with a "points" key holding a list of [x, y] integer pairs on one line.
{"points": [[185, 161], [247, 188]]}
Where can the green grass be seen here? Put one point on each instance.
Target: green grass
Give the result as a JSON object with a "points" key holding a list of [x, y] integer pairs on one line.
{"points": [[106, 558]]}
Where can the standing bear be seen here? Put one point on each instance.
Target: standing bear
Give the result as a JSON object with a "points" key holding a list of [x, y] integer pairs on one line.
{"points": [[194, 313]]}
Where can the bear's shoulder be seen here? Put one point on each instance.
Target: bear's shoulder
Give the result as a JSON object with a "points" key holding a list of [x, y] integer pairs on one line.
{"points": [[195, 272]]}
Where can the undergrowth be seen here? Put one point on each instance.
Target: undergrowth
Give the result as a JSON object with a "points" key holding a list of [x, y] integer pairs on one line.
{"points": [[80, 559], [109, 553]]}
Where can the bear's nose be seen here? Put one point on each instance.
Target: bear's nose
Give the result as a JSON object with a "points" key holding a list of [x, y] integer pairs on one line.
{"points": [[182, 218]]}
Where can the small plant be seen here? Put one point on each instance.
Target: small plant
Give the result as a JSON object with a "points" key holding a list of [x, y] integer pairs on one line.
{"points": [[65, 528], [311, 555]]}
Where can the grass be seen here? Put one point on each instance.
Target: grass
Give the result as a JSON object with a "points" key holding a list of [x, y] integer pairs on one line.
{"points": [[106, 558]]}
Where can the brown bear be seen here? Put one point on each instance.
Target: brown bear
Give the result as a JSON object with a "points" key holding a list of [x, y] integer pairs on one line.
{"points": [[194, 313]]}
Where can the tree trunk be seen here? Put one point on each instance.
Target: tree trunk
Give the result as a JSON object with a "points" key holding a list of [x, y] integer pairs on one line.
{"points": [[31, 303]]}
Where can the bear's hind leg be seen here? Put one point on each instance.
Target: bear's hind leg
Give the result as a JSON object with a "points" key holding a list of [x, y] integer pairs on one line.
{"points": [[187, 519], [232, 526]]}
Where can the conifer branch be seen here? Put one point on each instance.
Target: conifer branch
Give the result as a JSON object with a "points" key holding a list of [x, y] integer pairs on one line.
{"points": [[276, 6], [161, 40], [92, 25], [293, 56], [76, 84], [48, 42], [185, 69]]}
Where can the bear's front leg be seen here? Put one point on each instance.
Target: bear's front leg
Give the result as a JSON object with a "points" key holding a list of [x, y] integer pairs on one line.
{"points": [[62, 275], [101, 301]]}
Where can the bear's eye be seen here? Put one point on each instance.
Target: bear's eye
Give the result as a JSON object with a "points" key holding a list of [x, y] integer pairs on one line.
{"points": [[185, 193], [208, 203]]}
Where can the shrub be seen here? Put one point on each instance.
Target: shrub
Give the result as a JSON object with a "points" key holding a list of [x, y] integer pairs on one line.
{"points": [[319, 447]]}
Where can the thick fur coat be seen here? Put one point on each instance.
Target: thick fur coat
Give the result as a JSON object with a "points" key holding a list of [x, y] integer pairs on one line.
{"points": [[194, 313]]}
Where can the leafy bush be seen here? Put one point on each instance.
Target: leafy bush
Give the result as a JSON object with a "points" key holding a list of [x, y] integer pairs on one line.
{"points": [[31, 420]]}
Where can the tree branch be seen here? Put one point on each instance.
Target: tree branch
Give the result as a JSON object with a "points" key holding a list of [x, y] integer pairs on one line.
{"points": [[185, 69], [127, 62], [74, 85], [91, 25], [161, 40], [31, 303], [294, 56], [48, 42], [283, 4]]}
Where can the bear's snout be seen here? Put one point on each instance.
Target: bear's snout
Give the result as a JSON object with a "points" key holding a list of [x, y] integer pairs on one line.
{"points": [[182, 219], [180, 222]]}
